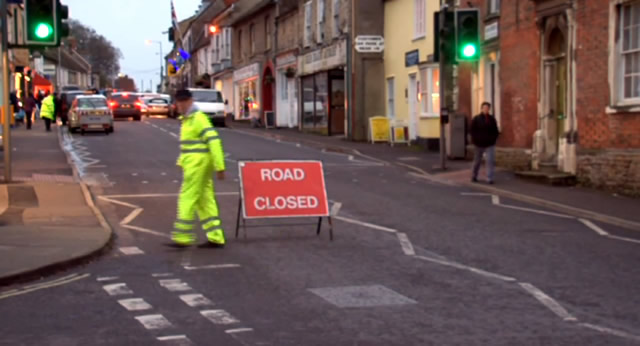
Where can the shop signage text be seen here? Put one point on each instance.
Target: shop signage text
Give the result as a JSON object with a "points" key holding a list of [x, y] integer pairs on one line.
{"points": [[246, 72], [490, 31], [369, 44], [324, 59]]}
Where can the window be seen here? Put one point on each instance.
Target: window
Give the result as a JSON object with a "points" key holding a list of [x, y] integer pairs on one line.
{"points": [[252, 38], [391, 98], [267, 33], [308, 34], [630, 52], [494, 6], [430, 92], [240, 50], [320, 22], [335, 9], [226, 53], [420, 20]]}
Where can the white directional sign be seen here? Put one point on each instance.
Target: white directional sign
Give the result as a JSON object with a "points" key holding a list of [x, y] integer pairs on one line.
{"points": [[369, 44]]}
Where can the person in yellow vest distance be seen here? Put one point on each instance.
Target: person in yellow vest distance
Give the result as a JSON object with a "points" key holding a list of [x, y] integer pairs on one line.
{"points": [[201, 154], [48, 110]]}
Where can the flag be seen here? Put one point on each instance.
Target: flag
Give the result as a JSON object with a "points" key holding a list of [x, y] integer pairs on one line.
{"points": [[174, 22]]}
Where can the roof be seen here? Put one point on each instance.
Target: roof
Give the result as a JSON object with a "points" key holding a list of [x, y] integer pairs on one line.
{"points": [[244, 9]]}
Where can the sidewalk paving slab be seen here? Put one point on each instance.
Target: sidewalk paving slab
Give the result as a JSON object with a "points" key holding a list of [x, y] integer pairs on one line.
{"points": [[47, 219], [578, 201]]}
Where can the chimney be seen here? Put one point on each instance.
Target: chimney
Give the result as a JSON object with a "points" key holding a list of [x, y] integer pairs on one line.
{"points": [[73, 44]]}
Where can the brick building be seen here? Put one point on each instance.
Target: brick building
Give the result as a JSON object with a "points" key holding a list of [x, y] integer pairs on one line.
{"points": [[564, 79]]}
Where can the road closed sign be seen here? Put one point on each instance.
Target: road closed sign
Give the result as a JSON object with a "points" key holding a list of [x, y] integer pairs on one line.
{"points": [[280, 189]]}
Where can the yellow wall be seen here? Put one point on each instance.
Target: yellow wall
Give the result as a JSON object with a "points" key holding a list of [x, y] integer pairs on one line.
{"points": [[398, 40]]}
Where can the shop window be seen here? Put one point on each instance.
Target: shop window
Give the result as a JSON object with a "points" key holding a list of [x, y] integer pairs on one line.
{"points": [[248, 99], [391, 97], [420, 19], [315, 99], [430, 92]]}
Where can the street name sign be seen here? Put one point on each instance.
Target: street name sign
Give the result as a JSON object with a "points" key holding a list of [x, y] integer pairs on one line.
{"points": [[369, 44]]}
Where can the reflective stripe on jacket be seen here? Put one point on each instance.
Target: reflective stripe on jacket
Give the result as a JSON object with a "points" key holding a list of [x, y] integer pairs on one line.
{"points": [[199, 143], [48, 108]]}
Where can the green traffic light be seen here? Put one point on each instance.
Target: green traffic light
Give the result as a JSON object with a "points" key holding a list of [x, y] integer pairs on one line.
{"points": [[43, 30], [469, 50]]}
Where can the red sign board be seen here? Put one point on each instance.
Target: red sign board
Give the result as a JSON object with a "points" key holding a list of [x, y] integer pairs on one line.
{"points": [[278, 189]]}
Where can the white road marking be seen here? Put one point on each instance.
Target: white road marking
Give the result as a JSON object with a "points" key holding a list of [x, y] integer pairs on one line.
{"points": [[468, 268], [365, 224], [172, 338], [117, 289], [54, 283], [407, 247], [238, 330], [547, 301], [173, 134], [148, 231], [134, 174], [107, 278], [541, 212], [145, 182], [154, 321], [594, 227], [175, 181], [135, 304], [624, 239], [212, 266], [335, 208], [219, 316], [161, 275], [611, 331], [131, 250], [195, 300], [474, 194], [163, 129], [124, 204], [175, 285], [98, 166], [495, 200], [163, 173], [131, 216]]}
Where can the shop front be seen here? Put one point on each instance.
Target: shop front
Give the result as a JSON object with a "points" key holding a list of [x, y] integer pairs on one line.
{"points": [[323, 90], [287, 91], [246, 81]]}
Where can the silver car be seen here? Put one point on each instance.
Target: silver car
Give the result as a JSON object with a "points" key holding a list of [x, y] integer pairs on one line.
{"points": [[90, 113]]}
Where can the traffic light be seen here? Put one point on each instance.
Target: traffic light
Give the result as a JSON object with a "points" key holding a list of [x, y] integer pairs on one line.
{"points": [[62, 14], [444, 43], [467, 35], [40, 21], [171, 35]]}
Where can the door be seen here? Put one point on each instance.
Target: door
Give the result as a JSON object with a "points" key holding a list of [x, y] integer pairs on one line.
{"points": [[554, 93], [413, 103], [337, 106], [293, 102]]}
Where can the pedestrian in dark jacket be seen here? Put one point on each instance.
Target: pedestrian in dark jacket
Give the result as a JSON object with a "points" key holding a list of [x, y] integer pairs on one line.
{"points": [[484, 134], [30, 106]]}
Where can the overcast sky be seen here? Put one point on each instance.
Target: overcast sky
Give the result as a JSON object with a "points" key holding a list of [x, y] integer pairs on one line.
{"points": [[127, 24]]}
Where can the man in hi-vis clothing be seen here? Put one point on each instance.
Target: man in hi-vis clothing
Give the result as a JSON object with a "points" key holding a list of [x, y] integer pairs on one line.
{"points": [[200, 155]]}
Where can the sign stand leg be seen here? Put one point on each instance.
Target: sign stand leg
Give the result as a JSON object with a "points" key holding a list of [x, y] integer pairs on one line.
{"points": [[319, 226], [238, 218]]}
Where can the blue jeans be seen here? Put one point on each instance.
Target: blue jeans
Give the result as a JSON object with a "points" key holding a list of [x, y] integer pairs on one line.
{"points": [[491, 161]]}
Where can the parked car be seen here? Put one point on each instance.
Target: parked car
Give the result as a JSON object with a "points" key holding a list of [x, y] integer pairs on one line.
{"points": [[126, 105], [90, 113], [67, 98], [210, 102]]}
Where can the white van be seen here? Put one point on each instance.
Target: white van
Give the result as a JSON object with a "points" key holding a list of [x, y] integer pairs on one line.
{"points": [[210, 102]]}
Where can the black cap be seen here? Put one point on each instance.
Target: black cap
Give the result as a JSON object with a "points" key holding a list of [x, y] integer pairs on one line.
{"points": [[183, 95]]}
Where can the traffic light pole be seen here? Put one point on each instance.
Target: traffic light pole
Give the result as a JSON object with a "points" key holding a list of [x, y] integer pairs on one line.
{"points": [[445, 84], [6, 107]]}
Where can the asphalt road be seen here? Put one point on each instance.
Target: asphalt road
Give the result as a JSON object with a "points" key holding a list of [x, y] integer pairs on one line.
{"points": [[412, 263]]}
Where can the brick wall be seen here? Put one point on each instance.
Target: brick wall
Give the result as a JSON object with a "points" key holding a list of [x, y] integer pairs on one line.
{"points": [[243, 55], [616, 170]]}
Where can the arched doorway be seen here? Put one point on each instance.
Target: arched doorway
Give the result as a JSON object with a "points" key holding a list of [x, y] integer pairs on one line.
{"points": [[554, 87], [268, 83]]}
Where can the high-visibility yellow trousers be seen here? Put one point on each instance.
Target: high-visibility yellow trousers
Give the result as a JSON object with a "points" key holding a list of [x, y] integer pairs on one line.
{"points": [[197, 195]]}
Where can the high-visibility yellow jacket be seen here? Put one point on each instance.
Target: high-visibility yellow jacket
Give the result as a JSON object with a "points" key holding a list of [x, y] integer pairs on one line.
{"points": [[200, 145], [48, 108]]}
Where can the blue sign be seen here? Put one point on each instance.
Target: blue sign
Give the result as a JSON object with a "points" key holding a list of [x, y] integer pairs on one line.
{"points": [[184, 54], [411, 58]]}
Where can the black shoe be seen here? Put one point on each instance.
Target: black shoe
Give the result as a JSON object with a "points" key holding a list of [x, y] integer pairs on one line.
{"points": [[474, 180], [490, 182], [209, 245]]}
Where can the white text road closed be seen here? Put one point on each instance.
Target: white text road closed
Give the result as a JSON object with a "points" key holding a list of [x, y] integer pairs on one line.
{"points": [[283, 189]]}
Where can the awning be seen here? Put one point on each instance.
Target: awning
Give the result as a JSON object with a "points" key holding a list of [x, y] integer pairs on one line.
{"points": [[39, 80]]}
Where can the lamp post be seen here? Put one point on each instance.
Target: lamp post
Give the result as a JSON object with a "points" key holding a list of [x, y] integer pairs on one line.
{"points": [[150, 42]]}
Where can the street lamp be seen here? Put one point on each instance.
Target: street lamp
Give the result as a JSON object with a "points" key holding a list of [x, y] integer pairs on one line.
{"points": [[150, 42]]}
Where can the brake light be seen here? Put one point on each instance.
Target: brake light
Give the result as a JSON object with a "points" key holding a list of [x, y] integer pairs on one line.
{"points": [[139, 104], [113, 104], [125, 95]]}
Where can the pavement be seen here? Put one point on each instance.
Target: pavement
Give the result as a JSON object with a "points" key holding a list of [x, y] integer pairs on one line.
{"points": [[414, 261], [46, 223]]}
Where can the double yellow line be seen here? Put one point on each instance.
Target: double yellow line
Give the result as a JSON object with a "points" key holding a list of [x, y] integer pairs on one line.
{"points": [[35, 287]]}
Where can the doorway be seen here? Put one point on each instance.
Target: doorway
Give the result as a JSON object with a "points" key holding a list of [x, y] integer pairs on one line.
{"points": [[336, 112], [554, 94], [413, 102], [268, 83]]}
